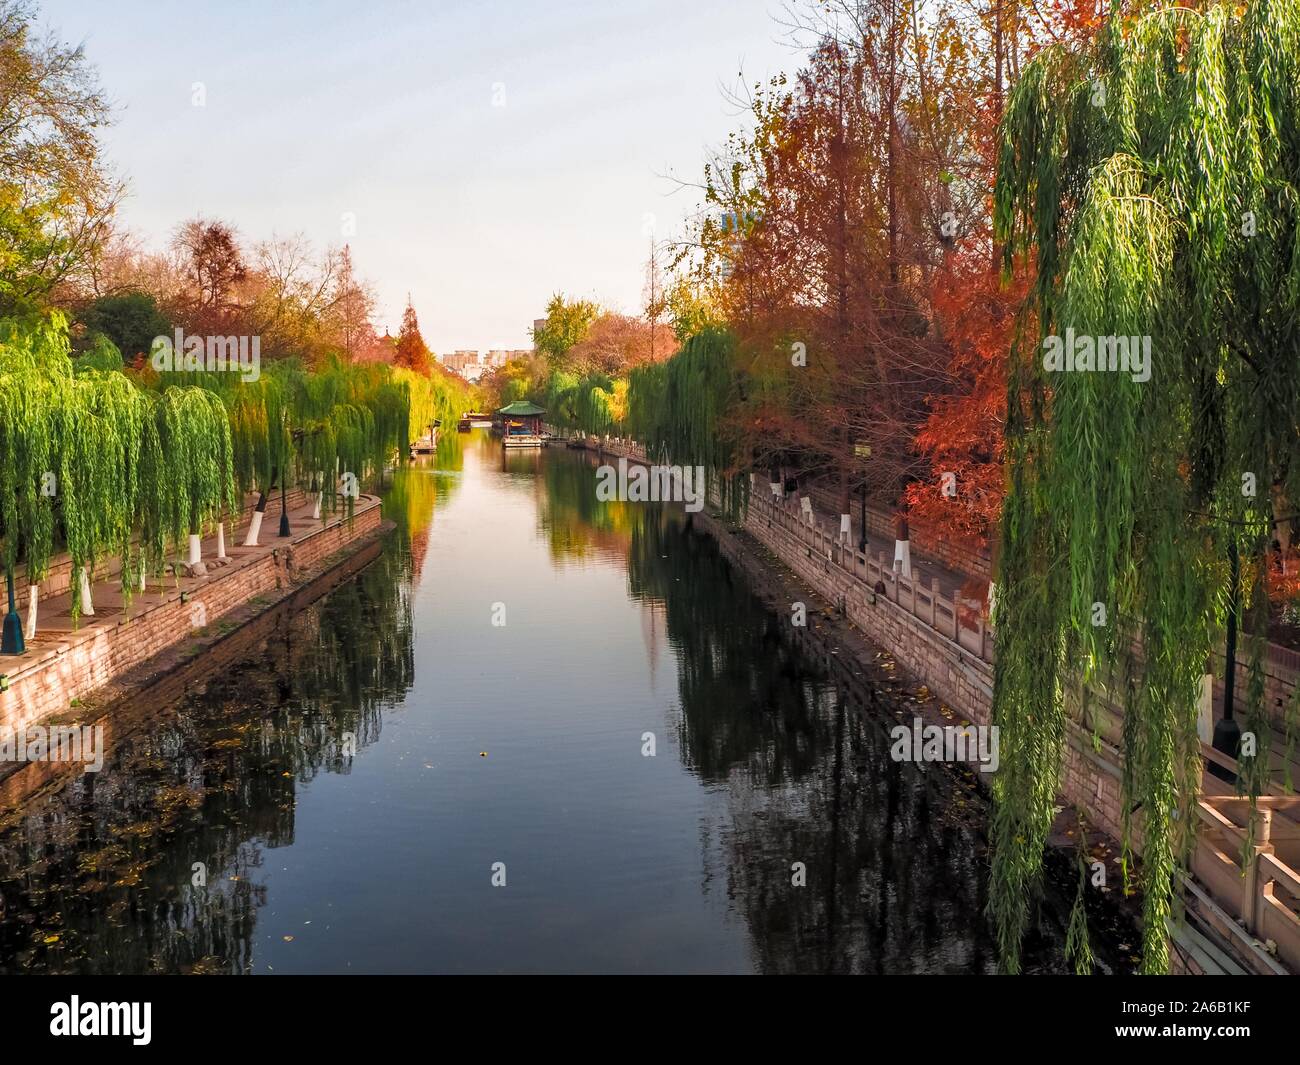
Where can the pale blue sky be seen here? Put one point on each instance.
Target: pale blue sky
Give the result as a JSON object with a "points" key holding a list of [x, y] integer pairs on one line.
{"points": [[385, 109]]}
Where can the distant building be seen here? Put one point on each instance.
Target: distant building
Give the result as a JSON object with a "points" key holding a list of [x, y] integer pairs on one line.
{"points": [[500, 356], [373, 348], [538, 325], [472, 364], [462, 362]]}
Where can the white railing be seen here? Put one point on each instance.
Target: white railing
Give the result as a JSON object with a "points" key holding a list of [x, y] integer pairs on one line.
{"points": [[962, 622]]}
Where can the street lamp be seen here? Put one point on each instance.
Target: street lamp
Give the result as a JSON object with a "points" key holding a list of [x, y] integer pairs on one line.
{"points": [[1227, 733], [862, 451], [11, 642]]}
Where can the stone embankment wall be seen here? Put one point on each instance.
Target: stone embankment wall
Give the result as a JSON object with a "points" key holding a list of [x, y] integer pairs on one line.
{"points": [[44, 683], [946, 645], [59, 578]]}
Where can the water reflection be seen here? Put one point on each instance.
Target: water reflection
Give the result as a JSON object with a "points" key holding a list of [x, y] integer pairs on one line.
{"points": [[894, 870], [623, 620], [150, 865], [577, 525]]}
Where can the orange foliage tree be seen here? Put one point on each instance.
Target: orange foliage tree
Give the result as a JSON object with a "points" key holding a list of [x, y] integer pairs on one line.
{"points": [[411, 350]]}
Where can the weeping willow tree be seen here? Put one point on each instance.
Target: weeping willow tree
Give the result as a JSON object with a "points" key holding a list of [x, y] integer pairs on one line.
{"points": [[347, 419], [117, 484], [646, 418], [436, 397], [681, 409], [594, 405], [94, 465], [260, 429], [1152, 182], [194, 431], [294, 425], [34, 365], [559, 395]]}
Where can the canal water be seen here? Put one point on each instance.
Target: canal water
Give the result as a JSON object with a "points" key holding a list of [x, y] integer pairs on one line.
{"points": [[539, 733]]}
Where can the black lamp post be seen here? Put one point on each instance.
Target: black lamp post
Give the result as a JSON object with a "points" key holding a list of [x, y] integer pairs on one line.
{"points": [[862, 518], [284, 509], [862, 452], [1227, 733], [11, 641]]}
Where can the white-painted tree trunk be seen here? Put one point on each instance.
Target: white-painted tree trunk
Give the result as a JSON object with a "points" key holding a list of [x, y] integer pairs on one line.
{"points": [[993, 596], [33, 598], [1205, 709], [254, 527], [903, 556], [144, 575], [846, 529], [196, 549], [320, 495], [87, 604], [221, 540]]}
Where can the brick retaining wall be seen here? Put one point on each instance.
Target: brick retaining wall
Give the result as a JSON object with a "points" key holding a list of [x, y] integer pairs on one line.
{"points": [[960, 678], [102, 649], [59, 578]]}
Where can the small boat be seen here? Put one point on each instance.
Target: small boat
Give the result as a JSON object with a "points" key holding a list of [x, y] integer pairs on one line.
{"points": [[520, 425], [518, 435]]}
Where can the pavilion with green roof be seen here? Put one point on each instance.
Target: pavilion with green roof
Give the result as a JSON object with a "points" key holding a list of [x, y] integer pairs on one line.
{"points": [[521, 418]]}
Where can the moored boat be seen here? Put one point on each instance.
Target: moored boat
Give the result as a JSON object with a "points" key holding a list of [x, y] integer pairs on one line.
{"points": [[520, 425]]}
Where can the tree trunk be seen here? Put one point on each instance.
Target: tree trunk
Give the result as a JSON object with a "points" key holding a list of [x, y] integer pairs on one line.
{"points": [[255, 523]]}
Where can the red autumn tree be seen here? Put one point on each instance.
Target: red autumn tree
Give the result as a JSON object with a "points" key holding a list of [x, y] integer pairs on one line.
{"points": [[974, 308], [819, 229], [412, 352]]}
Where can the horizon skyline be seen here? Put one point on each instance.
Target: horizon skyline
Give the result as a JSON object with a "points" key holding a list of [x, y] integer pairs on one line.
{"points": [[473, 182]]}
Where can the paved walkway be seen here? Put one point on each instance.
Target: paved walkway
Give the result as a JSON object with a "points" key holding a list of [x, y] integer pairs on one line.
{"points": [[54, 623], [924, 568]]}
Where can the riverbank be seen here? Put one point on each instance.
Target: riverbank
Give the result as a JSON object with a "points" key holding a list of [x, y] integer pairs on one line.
{"points": [[885, 694], [586, 697], [924, 634], [70, 671]]}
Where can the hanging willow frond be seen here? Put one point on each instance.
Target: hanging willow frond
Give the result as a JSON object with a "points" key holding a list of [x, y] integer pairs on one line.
{"points": [[1152, 180], [680, 409]]}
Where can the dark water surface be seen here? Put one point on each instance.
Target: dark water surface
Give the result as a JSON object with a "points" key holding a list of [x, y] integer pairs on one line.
{"points": [[350, 784]]}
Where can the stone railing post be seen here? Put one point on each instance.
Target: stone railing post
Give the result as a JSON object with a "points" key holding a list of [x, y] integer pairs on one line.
{"points": [[1250, 882]]}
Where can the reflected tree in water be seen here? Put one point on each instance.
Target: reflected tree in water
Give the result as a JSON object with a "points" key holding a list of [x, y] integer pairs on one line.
{"points": [[98, 876], [894, 857]]}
